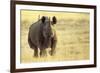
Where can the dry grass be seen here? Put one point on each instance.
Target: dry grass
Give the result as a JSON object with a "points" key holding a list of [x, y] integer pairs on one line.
{"points": [[72, 32]]}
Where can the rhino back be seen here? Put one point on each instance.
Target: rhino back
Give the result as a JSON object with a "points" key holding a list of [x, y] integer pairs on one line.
{"points": [[34, 32]]}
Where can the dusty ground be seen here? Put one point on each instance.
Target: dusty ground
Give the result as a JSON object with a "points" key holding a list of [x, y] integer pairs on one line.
{"points": [[72, 32]]}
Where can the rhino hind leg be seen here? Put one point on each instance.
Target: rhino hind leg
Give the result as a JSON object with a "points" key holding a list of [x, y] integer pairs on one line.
{"points": [[36, 52], [33, 47]]}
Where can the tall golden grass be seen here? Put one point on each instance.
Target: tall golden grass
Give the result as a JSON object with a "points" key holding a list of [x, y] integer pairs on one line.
{"points": [[72, 33]]}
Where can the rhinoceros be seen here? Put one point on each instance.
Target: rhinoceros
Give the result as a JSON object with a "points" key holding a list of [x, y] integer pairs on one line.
{"points": [[42, 35]]}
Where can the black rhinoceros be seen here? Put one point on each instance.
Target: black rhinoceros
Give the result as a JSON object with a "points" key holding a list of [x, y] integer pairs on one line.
{"points": [[42, 35]]}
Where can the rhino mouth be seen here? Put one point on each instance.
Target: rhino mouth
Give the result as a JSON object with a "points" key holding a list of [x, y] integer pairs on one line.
{"points": [[47, 42]]}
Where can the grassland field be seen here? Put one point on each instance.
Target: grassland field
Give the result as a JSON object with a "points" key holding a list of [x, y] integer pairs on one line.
{"points": [[72, 31]]}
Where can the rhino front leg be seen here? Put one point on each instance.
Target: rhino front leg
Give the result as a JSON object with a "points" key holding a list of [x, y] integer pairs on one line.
{"points": [[53, 46], [43, 52]]}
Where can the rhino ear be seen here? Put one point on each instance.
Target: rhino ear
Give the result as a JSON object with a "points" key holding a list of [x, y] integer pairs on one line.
{"points": [[43, 19], [54, 20]]}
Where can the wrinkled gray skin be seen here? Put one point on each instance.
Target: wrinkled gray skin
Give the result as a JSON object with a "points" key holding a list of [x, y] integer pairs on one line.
{"points": [[41, 36]]}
